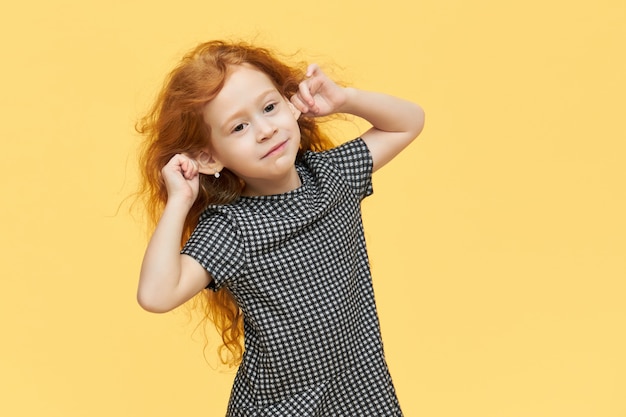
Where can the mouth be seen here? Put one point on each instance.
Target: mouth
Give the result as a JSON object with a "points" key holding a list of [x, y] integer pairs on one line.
{"points": [[276, 149]]}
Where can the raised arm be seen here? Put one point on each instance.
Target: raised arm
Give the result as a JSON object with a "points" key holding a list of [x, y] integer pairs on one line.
{"points": [[395, 122], [167, 278]]}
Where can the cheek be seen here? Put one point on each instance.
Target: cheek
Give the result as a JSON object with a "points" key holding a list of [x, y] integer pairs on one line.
{"points": [[235, 148], [218, 147], [290, 122]]}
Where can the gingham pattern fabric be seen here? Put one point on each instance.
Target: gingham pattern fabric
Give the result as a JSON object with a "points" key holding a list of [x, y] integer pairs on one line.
{"points": [[297, 265]]}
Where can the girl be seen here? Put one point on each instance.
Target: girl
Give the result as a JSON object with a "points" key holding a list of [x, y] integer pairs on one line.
{"points": [[236, 170]]}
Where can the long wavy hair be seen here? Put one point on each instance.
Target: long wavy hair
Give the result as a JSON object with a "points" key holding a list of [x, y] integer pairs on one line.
{"points": [[174, 124]]}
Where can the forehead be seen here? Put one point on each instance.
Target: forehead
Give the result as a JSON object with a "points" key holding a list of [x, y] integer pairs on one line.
{"points": [[243, 86], [245, 77]]}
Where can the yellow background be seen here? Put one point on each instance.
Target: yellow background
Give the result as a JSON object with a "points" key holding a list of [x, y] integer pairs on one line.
{"points": [[497, 240]]}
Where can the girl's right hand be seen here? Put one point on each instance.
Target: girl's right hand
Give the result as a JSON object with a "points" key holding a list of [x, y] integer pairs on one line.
{"points": [[182, 179]]}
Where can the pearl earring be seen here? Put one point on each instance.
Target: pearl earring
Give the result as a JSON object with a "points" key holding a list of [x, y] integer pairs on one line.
{"points": [[217, 174]]}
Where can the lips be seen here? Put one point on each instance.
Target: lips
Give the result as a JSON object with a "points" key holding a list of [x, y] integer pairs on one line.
{"points": [[275, 149]]}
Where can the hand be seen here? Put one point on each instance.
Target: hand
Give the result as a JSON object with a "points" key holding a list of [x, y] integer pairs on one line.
{"points": [[182, 179], [318, 95]]}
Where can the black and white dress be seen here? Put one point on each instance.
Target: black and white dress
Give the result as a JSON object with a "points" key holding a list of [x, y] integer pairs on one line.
{"points": [[298, 266]]}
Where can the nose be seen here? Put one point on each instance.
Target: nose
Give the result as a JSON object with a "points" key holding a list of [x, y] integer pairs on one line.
{"points": [[265, 129]]}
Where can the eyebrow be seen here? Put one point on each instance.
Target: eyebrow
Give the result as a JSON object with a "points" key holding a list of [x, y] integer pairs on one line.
{"points": [[225, 126]]}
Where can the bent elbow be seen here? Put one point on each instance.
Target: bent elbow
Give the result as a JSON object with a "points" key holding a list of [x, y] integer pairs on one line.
{"points": [[420, 118], [151, 305]]}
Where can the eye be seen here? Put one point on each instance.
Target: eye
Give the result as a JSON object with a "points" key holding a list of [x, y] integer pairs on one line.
{"points": [[269, 107], [239, 127]]}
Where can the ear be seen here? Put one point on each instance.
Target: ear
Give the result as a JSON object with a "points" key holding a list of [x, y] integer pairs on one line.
{"points": [[207, 164], [296, 113]]}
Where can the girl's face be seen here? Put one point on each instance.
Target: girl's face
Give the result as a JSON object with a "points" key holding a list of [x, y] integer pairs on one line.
{"points": [[254, 132]]}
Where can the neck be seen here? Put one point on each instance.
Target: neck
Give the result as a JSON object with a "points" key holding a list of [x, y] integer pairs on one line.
{"points": [[283, 185]]}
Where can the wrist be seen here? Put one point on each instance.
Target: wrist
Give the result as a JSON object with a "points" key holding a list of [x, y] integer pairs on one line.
{"points": [[349, 100], [178, 204]]}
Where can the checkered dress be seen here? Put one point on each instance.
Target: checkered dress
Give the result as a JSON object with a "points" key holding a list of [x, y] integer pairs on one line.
{"points": [[298, 266]]}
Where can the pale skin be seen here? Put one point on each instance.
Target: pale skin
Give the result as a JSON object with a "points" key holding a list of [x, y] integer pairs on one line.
{"points": [[169, 279]]}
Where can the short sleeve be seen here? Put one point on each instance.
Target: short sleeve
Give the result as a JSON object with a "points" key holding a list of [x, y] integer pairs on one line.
{"points": [[217, 245], [354, 161]]}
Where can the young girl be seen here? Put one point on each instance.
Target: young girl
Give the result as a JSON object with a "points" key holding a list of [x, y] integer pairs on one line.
{"points": [[236, 169]]}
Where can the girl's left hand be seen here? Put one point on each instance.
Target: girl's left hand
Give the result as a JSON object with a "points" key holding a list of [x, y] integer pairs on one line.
{"points": [[318, 95]]}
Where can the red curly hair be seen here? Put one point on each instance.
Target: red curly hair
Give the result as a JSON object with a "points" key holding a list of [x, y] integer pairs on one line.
{"points": [[175, 124]]}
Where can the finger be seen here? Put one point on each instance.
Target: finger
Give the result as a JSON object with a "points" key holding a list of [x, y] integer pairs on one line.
{"points": [[190, 168], [308, 94], [172, 170], [174, 164], [180, 163], [186, 166], [305, 94], [299, 104], [312, 69]]}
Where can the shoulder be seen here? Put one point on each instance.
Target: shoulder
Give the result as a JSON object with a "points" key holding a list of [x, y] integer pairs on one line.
{"points": [[349, 156], [354, 148], [216, 222], [350, 162]]}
